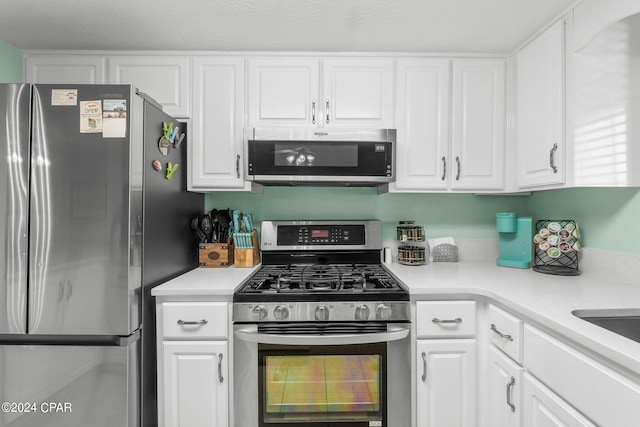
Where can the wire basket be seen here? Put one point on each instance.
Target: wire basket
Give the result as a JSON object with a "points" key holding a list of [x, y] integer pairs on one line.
{"points": [[445, 252], [556, 247]]}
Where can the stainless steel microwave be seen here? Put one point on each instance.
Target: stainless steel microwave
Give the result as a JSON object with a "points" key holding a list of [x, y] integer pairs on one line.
{"points": [[302, 156]]}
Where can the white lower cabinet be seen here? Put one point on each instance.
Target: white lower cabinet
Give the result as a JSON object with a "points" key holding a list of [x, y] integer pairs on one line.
{"points": [[544, 408], [445, 370], [505, 388], [193, 363], [195, 384], [446, 386]]}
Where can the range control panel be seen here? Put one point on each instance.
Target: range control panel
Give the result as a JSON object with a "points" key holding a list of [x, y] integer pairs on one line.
{"points": [[318, 235], [325, 235]]}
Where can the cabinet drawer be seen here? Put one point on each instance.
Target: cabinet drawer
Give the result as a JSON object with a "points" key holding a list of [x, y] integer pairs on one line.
{"points": [[506, 332], [195, 320], [606, 397], [445, 319]]}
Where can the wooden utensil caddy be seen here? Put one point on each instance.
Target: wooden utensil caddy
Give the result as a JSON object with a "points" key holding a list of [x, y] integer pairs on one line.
{"points": [[250, 256], [216, 254]]}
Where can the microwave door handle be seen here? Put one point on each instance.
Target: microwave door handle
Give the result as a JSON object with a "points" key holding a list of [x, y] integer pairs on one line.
{"points": [[394, 333]]}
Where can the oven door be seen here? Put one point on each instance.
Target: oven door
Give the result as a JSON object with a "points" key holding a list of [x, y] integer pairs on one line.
{"points": [[322, 377]]}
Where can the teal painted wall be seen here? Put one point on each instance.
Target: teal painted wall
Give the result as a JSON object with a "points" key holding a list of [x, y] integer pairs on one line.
{"points": [[608, 218], [10, 63]]}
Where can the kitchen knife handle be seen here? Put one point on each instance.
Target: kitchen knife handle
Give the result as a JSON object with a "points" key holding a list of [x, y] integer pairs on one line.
{"points": [[238, 166], [500, 334], [510, 385], [220, 377], [552, 159], [424, 366], [192, 322], [313, 111], [327, 110], [444, 167]]}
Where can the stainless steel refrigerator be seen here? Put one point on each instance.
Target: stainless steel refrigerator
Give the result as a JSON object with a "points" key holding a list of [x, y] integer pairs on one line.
{"points": [[88, 227]]}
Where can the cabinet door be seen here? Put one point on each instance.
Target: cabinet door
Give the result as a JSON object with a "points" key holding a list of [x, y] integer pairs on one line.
{"points": [[422, 124], [477, 150], [505, 386], [446, 383], [358, 92], [283, 92], [216, 138], [195, 384], [543, 408], [540, 104], [164, 78], [65, 69]]}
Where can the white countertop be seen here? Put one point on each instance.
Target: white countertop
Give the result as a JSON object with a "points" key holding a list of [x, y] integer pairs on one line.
{"points": [[544, 299]]}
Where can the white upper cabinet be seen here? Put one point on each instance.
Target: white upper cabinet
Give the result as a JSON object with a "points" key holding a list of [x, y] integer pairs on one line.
{"points": [[478, 130], [358, 92], [164, 78], [283, 92], [422, 124], [471, 156], [66, 69], [323, 93], [540, 110], [216, 137]]}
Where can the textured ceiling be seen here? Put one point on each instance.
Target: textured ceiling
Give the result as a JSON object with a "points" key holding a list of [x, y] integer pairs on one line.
{"points": [[483, 26]]}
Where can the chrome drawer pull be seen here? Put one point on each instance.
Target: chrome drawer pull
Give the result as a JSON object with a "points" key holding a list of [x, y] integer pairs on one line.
{"points": [[444, 168], [220, 377], [456, 320], [192, 322], [500, 334], [424, 366], [510, 385]]}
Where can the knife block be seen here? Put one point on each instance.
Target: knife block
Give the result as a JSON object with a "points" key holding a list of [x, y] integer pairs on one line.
{"points": [[250, 256], [216, 254]]}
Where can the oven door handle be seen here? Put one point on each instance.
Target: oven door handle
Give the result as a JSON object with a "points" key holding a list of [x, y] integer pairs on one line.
{"points": [[251, 334]]}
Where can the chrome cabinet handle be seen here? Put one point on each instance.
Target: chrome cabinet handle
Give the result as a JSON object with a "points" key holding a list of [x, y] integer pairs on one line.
{"points": [[458, 172], [220, 377], [456, 320], [313, 111], [500, 334], [192, 322], [444, 167], [327, 110], [552, 153], [238, 166], [510, 385], [424, 366]]}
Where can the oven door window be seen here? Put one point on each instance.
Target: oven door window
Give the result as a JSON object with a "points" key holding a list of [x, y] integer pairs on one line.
{"points": [[322, 384]]}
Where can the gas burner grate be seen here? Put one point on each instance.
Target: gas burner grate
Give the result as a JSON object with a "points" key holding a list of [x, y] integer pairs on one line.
{"points": [[318, 278]]}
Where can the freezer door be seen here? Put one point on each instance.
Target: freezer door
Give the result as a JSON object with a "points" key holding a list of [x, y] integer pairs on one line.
{"points": [[69, 386], [14, 208], [83, 274]]}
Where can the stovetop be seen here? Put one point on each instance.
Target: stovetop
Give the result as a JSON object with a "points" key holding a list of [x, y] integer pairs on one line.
{"points": [[321, 271], [321, 282]]}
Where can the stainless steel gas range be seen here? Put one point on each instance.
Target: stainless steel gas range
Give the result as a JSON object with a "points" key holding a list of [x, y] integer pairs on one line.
{"points": [[321, 330]]}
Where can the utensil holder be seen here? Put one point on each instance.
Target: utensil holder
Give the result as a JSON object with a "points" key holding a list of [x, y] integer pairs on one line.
{"points": [[216, 254], [250, 256]]}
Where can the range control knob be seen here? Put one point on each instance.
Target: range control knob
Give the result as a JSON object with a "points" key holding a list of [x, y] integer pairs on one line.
{"points": [[259, 312], [362, 312], [383, 312], [281, 312], [322, 313]]}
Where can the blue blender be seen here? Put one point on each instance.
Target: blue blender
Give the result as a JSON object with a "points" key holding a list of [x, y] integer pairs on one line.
{"points": [[515, 240]]}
